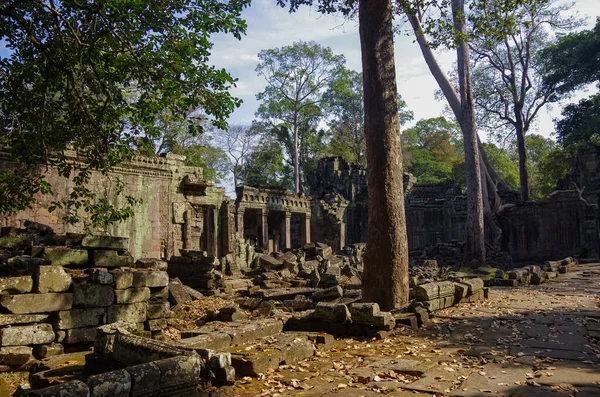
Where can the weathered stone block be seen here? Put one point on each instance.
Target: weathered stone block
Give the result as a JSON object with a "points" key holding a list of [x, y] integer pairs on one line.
{"points": [[132, 295], [80, 335], [16, 285], [332, 312], [36, 303], [153, 264], [538, 277], [434, 304], [37, 334], [328, 293], [134, 313], [220, 360], [74, 388], [52, 279], [92, 295], [161, 293], [460, 290], [110, 384], [551, 266], [13, 319], [446, 288], [122, 278], [515, 274], [426, 292], [100, 276], [212, 341], [45, 351], [145, 379], [364, 312], [180, 373], [158, 310], [79, 318], [152, 278], [309, 266], [224, 376], [323, 250], [475, 284], [177, 293], [15, 355], [502, 282], [106, 242], [66, 256], [448, 301], [104, 258]]}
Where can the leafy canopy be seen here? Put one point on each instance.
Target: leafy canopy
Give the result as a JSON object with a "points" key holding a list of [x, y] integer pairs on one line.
{"points": [[92, 76]]}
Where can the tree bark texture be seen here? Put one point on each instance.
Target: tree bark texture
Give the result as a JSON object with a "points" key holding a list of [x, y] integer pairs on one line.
{"points": [[385, 276], [474, 228], [522, 150], [296, 156]]}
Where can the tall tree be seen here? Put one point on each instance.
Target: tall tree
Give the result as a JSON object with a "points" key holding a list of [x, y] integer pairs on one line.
{"points": [[385, 277], [94, 76], [297, 77], [461, 103], [507, 78], [238, 142]]}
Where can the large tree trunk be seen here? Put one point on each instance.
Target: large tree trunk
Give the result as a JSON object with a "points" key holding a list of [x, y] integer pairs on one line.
{"points": [[296, 156], [385, 276], [475, 248], [522, 150]]}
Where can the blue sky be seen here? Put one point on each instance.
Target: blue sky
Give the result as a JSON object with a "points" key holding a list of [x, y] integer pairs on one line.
{"points": [[270, 26]]}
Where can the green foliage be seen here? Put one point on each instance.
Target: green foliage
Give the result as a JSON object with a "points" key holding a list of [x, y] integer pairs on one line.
{"points": [[551, 167], [213, 160], [266, 167], [433, 150], [573, 61], [579, 123], [504, 164], [93, 77]]}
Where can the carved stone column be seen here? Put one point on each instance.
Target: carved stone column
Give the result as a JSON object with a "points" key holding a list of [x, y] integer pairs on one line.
{"points": [[307, 227], [288, 230], [265, 230], [240, 222], [214, 233]]}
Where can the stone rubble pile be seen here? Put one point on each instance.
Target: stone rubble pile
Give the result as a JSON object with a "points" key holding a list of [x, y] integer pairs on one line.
{"points": [[532, 274], [52, 297], [451, 254]]}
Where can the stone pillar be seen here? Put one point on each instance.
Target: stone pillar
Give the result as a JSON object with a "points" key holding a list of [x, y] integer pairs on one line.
{"points": [[265, 230], [307, 227], [240, 222], [187, 229], [288, 230], [342, 235], [214, 233]]}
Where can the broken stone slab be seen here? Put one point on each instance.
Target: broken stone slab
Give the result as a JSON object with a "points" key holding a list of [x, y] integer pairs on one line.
{"points": [[285, 348], [160, 293], [52, 278], [80, 335], [323, 250], [475, 297], [331, 293], [232, 313], [426, 292], [67, 257], [15, 356], [110, 384], [87, 294], [100, 276], [122, 278], [408, 319], [22, 265], [104, 258], [36, 334], [37, 303], [267, 262], [132, 295], [129, 349], [332, 312], [179, 375], [133, 313], [446, 288], [460, 290], [145, 379], [16, 285], [475, 284], [309, 266], [283, 293], [178, 293], [74, 388], [364, 312], [212, 341], [156, 324], [220, 360], [150, 278], [13, 319], [329, 280], [106, 243], [299, 303], [79, 318]]}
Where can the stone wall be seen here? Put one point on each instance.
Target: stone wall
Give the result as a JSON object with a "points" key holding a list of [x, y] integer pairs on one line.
{"points": [[61, 295], [179, 209]]}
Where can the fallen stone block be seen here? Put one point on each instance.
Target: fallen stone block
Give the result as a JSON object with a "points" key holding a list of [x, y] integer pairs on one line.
{"points": [[79, 318], [427, 292], [434, 304], [177, 293], [299, 303], [15, 356], [516, 274], [179, 375], [130, 349], [158, 310], [103, 258], [212, 341], [61, 256], [150, 278], [224, 376], [364, 312], [37, 303], [132, 295], [323, 250], [156, 324], [133, 313], [37, 334], [122, 278], [551, 266], [446, 288], [232, 313], [422, 315], [267, 262], [408, 319], [502, 282], [16, 285], [152, 264], [331, 312], [460, 290], [100, 276], [475, 284], [220, 360], [74, 388], [52, 279], [159, 293], [331, 293], [538, 277], [87, 294], [551, 275], [110, 384], [106, 243]]}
